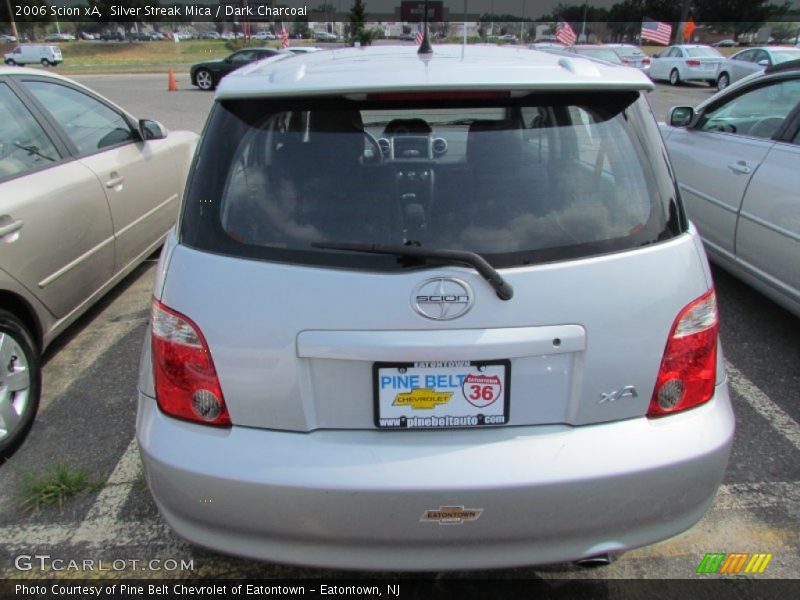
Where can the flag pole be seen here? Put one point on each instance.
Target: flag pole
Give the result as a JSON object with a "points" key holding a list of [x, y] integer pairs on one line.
{"points": [[425, 46]]}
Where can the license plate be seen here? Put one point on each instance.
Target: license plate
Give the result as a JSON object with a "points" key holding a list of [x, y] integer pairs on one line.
{"points": [[441, 394]]}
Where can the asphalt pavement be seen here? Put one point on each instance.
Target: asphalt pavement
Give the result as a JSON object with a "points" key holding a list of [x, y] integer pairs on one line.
{"points": [[88, 410]]}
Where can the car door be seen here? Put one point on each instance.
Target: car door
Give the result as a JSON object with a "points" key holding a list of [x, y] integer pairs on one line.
{"points": [[237, 60], [742, 64], [715, 160], [139, 177], [56, 236], [768, 233]]}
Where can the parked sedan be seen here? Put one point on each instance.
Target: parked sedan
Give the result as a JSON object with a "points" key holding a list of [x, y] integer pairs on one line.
{"points": [[736, 159], [689, 62], [595, 51], [86, 193], [632, 56], [753, 60], [206, 75]]}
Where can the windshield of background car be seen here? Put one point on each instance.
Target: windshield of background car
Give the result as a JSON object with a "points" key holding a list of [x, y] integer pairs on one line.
{"points": [[703, 53], [518, 180]]}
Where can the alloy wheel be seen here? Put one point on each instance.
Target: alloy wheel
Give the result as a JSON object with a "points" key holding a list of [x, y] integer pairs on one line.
{"points": [[15, 385], [204, 80]]}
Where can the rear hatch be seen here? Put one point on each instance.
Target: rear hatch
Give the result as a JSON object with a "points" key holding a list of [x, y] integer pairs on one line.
{"points": [[567, 196]]}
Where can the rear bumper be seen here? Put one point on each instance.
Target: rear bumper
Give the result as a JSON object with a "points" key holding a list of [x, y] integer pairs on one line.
{"points": [[353, 499]]}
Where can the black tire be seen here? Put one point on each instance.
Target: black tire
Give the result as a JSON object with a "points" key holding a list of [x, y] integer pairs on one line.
{"points": [[674, 77], [204, 80], [18, 352], [723, 81], [10, 62], [45, 62]]}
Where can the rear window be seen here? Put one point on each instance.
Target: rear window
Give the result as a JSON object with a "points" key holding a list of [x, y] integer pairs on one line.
{"points": [[601, 53], [780, 56], [519, 181], [626, 51], [703, 53]]}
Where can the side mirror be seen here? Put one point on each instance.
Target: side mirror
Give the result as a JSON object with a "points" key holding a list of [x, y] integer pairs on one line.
{"points": [[680, 116], [152, 130], [764, 62]]}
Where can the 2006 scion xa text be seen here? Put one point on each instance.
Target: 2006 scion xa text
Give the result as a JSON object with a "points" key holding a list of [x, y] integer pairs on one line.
{"points": [[432, 312]]}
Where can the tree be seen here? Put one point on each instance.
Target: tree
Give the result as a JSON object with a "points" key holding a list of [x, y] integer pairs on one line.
{"points": [[104, 8], [300, 27], [26, 26], [358, 20], [738, 16]]}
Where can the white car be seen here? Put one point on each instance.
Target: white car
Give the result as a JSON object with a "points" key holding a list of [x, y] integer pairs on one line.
{"points": [[432, 314], [26, 54], [686, 62], [736, 159], [632, 56], [7, 39], [753, 60]]}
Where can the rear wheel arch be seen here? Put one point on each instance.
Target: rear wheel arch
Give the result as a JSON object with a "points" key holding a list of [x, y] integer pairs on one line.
{"points": [[21, 309]]}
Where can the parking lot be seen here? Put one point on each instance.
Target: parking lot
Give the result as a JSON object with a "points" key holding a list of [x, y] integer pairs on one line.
{"points": [[87, 414]]}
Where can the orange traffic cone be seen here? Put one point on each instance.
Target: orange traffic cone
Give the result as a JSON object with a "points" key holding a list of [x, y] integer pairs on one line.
{"points": [[173, 85]]}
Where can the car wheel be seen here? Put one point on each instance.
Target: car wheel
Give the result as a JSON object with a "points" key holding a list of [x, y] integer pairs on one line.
{"points": [[723, 81], [674, 77], [20, 381], [45, 62], [10, 62], [204, 80]]}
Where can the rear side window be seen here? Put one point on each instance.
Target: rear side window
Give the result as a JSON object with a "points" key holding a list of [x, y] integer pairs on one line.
{"points": [[519, 181]]}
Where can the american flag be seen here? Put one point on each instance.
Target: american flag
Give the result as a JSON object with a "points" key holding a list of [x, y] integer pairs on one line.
{"points": [[565, 34], [284, 36], [419, 36], [657, 32]]}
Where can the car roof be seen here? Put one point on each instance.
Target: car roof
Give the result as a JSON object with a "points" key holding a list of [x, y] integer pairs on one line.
{"points": [[450, 67]]}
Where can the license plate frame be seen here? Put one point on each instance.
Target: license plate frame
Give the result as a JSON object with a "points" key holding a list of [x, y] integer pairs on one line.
{"points": [[417, 409]]}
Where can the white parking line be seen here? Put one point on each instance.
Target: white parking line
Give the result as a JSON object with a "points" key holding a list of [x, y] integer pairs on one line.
{"points": [[763, 405], [104, 513]]}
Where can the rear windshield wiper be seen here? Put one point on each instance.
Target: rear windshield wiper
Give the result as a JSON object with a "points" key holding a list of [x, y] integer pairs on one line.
{"points": [[476, 261]]}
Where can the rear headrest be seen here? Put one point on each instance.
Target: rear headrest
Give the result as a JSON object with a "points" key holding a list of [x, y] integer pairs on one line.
{"points": [[335, 121], [412, 126], [495, 144]]}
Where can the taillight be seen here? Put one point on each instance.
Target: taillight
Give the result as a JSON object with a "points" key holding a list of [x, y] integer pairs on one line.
{"points": [[689, 368], [692, 63], [187, 386], [645, 61]]}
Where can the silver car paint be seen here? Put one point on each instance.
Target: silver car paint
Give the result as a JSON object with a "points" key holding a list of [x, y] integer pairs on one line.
{"points": [[353, 499], [264, 332]]}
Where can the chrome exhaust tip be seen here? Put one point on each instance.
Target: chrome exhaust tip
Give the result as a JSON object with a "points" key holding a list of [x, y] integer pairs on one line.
{"points": [[592, 562]]}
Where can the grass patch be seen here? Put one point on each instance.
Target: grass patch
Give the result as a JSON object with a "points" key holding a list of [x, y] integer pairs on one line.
{"points": [[55, 487], [140, 483]]}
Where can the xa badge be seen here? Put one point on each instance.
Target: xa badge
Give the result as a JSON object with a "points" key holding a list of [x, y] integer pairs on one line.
{"points": [[628, 390]]}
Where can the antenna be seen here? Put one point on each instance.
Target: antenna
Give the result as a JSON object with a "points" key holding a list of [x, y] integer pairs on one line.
{"points": [[425, 46]]}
